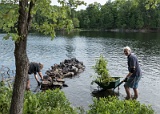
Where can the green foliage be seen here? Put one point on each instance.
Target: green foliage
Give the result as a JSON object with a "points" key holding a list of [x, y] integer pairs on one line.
{"points": [[50, 18], [151, 4], [48, 102], [108, 16], [112, 105], [101, 69], [132, 14], [125, 14], [8, 16], [92, 10], [71, 3], [83, 18], [5, 98], [46, 18], [76, 22], [55, 102]]}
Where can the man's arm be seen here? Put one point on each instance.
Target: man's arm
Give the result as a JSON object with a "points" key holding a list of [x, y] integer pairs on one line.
{"points": [[129, 74], [36, 77], [40, 74]]}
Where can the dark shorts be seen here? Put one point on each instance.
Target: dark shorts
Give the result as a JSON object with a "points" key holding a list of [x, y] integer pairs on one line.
{"points": [[133, 82]]}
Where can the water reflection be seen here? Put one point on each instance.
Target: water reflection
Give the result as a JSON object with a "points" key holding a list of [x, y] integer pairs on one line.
{"points": [[70, 47], [105, 93]]}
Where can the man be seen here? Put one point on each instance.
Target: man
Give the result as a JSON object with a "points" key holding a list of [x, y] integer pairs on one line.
{"points": [[134, 74], [34, 68]]}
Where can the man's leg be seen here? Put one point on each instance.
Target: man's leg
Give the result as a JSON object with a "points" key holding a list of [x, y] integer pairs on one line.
{"points": [[28, 85], [127, 89], [135, 87], [135, 93]]}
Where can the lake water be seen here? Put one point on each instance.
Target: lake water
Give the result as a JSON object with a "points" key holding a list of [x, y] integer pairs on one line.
{"points": [[87, 47]]}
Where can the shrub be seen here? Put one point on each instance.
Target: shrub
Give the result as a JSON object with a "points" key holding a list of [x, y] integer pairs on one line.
{"points": [[48, 102], [111, 105], [5, 98], [102, 72]]}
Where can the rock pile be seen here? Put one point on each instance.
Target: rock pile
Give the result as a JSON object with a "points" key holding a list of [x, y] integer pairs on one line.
{"points": [[55, 76]]}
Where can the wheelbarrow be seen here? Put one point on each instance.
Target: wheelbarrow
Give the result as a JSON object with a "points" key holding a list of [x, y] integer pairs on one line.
{"points": [[112, 85]]}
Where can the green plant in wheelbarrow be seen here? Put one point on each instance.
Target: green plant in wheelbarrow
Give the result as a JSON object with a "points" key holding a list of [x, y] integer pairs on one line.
{"points": [[103, 78]]}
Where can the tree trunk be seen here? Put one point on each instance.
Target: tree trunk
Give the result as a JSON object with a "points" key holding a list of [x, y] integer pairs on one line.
{"points": [[21, 60]]}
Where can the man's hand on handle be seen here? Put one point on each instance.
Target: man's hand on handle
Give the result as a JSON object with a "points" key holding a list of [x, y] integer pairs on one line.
{"points": [[125, 80]]}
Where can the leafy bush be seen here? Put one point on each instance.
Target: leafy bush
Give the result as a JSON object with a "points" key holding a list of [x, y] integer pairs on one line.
{"points": [[5, 98], [101, 69], [112, 105], [48, 102]]}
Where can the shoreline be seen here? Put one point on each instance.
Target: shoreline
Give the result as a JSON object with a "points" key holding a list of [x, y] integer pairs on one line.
{"points": [[121, 30]]}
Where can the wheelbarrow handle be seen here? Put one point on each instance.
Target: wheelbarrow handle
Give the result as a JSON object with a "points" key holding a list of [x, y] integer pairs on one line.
{"points": [[119, 84], [125, 80]]}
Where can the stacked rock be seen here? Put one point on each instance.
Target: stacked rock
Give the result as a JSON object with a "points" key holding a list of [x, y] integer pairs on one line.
{"points": [[55, 76]]}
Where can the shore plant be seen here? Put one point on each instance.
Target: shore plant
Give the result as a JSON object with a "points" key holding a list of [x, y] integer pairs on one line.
{"points": [[48, 102], [102, 73], [112, 105]]}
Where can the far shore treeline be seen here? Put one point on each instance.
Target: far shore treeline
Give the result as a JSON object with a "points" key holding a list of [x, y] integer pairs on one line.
{"points": [[115, 15]]}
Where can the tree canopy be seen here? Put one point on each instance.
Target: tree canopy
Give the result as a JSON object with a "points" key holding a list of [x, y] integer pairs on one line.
{"points": [[125, 14]]}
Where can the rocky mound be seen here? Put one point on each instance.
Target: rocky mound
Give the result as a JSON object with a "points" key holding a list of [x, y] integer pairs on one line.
{"points": [[55, 76]]}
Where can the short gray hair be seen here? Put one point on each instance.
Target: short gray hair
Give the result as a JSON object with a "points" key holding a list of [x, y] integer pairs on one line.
{"points": [[127, 48]]}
